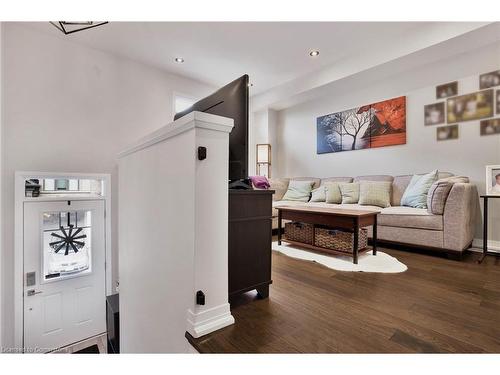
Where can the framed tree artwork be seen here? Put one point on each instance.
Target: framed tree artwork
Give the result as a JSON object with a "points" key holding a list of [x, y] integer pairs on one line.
{"points": [[374, 125]]}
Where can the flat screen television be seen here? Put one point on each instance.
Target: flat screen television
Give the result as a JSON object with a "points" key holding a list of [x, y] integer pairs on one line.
{"points": [[230, 101]]}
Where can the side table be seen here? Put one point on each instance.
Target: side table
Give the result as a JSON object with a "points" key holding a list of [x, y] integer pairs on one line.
{"points": [[485, 227]]}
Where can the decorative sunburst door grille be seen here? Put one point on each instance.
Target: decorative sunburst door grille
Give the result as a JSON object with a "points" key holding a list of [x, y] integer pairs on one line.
{"points": [[67, 244], [68, 240]]}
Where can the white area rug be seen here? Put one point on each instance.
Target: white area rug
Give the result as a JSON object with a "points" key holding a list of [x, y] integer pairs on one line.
{"points": [[367, 262]]}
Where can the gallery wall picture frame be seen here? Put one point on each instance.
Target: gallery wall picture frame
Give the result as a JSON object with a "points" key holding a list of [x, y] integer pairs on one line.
{"points": [[490, 126], [434, 114], [493, 179], [498, 102], [490, 79], [446, 133], [446, 90], [474, 106]]}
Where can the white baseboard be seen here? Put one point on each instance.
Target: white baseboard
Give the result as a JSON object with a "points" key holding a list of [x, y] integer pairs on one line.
{"points": [[493, 246], [207, 321]]}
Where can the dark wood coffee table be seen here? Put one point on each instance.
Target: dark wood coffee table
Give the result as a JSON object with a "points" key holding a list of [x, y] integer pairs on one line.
{"points": [[344, 219]]}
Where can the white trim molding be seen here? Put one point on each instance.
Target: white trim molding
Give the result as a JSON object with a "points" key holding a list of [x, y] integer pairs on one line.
{"points": [[19, 200], [204, 322], [190, 121], [493, 246]]}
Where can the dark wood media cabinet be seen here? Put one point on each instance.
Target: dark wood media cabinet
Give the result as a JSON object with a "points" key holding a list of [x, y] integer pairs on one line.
{"points": [[250, 237]]}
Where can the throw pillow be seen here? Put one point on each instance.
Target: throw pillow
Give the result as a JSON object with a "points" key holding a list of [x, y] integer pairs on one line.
{"points": [[375, 194], [280, 186], [436, 198], [333, 194], [260, 182], [298, 191], [350, 192], [318, 194], [415, 194]]}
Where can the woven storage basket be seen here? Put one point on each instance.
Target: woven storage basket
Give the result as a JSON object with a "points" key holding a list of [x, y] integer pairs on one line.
{"points": [[299, 232], [339, 240]]}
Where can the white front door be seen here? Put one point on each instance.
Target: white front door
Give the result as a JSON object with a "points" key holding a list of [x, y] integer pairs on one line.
{"points": [[64, 273]]}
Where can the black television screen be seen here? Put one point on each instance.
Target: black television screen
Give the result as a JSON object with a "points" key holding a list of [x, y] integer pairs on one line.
{"points": [[230, 101]]}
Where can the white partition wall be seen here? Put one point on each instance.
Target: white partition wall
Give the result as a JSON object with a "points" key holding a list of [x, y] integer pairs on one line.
{"points": [[173, 212]]}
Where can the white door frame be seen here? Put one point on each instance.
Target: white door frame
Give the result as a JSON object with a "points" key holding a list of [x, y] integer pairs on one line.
{"points": [[19, 200]]}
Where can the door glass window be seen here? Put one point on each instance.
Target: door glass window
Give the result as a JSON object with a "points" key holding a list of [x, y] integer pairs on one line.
{"points": [[67, 242]]}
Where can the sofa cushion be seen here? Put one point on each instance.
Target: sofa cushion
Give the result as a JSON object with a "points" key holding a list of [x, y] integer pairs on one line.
{"points": [[375, 193], [442, 175], [436, 198], [318, 194], [286, 203], [335, 179], [353, 206], [350, 192], [410, 217], [316, 180], [333, 194], [399, 186], [454, 179], [415, 194], [280, 186], [298, 191], [375, 177]]}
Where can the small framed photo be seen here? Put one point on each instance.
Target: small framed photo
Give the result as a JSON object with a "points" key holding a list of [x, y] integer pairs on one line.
{"points": [[490, 127], [490, 79], [498, 102], [474, 106], [445, 133], [434, 114], [447, 90], [493, 179]]}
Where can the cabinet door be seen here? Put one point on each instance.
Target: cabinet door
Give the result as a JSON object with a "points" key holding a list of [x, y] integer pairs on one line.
{"points": [[249, 254]]}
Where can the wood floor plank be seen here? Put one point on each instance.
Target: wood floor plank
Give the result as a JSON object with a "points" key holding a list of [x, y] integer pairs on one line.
{"points": [[436, 306]]}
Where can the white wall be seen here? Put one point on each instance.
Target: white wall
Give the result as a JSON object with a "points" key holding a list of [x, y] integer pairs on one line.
{"points": [[69, 108], [262, 129], [467, 156]]}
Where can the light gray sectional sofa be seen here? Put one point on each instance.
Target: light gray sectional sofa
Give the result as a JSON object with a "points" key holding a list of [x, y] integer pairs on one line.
{"points": [[447, 225]]}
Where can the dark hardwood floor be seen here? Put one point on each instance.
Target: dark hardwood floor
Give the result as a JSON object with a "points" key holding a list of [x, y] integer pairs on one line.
{"points": [[436, 306]]}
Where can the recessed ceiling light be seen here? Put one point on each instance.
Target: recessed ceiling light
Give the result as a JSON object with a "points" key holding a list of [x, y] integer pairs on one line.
{"points": [[314, 53], [179, 60]]}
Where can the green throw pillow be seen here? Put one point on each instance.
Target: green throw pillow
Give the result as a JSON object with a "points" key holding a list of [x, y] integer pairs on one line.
{"points": [[333, 194], [298, 191], [318, 194], [350, 192], [375, 193], [415, 194]]}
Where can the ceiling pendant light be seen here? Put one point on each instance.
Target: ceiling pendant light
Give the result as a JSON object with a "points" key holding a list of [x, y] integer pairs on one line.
{"points": [[70, 27]]}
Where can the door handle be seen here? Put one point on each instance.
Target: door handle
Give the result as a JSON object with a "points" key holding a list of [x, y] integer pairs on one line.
{"points": [[32, 292]]}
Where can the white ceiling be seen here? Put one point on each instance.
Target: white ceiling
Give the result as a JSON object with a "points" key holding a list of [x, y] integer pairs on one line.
{"points": [[271, 53], [276, 54]]}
